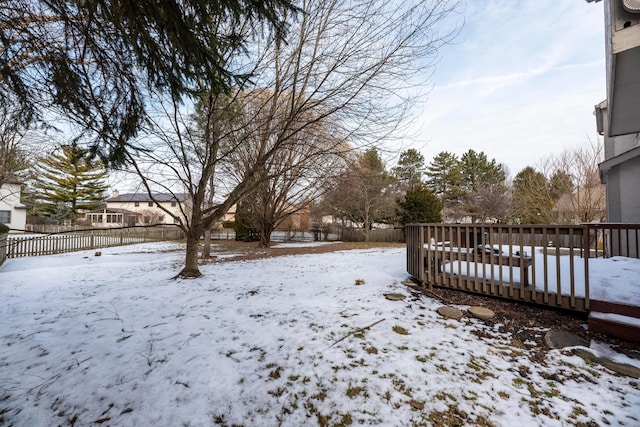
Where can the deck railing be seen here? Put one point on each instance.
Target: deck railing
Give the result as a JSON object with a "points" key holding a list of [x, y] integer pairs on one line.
{"points": [[542, 264], [21, 246]]}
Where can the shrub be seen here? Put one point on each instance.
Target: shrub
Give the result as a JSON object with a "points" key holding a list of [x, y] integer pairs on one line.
{"points": [[4, 229]]}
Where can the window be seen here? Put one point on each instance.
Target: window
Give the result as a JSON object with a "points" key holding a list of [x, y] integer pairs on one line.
{"points": [[174, 204], [5, 217], [176, 220], [136, 204], [150, 204]]}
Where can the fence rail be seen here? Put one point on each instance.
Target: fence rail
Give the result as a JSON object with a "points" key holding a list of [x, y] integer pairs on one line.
{"points": [[541, 264], [21, 246]]}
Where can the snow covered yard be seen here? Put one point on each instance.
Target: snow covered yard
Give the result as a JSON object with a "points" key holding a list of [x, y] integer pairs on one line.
{"points": [[112, 340]]}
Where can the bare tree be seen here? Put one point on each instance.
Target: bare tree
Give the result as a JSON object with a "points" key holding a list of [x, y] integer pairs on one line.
{"points": [[296, 174], [584, 199], [345, 66], [364, 194]]}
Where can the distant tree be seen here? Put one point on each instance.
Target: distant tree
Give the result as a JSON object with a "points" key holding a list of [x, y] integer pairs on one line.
{"points": [[560, 184], [410, 169], [477, 170], [492, 201], [419, 205], [243, 225], [482, 180], [66, 182], [575, 184], [532, 201], [295, 172], [363, 194], [446, 180]]}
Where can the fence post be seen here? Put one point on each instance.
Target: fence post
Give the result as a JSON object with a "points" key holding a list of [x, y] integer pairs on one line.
{"points": [[587, 247]]}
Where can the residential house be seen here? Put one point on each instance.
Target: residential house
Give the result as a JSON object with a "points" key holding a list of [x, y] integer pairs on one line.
{"points": [[298, 220], [618, 117], [584, 205], [133, 209], [12, 212]]}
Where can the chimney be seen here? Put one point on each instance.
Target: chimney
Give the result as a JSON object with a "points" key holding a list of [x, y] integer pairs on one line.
{"points": [[115, 194]]}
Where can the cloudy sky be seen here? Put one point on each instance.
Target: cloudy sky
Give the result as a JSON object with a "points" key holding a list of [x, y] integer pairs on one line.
{"points": [[519, 84]]}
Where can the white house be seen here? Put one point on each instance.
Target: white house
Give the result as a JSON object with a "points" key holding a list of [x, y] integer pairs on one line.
{"points": [[139, 209], [12, 212]]}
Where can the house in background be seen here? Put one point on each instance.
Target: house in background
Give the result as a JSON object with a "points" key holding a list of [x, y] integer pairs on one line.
{"points": [[583, 205], [131, 209], [12, 212]]}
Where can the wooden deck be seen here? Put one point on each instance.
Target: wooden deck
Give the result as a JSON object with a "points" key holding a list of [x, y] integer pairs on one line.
{"points": [[546, 265], [539, 264]]}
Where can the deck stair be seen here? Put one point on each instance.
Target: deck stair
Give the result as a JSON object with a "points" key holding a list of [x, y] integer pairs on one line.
{"points": [[615, 319]]}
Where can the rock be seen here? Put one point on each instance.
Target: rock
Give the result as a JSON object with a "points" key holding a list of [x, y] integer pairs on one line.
{"points": [[450, 312], [562, 339], [359, 282], [98, 253], [394, 297], [620, 368], [481, 312], [410, 283]]}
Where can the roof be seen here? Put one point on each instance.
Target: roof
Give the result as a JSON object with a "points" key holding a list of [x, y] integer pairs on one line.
{"points": [[144, 197]]}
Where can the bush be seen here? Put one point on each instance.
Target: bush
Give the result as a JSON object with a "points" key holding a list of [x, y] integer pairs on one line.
{"points": [[4, 229]]}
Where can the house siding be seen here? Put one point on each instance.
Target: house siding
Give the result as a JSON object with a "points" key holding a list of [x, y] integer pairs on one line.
{"points": [[14, 213]]}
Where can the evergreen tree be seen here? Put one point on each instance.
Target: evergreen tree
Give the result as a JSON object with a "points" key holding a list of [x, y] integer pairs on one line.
{"points": [[532, 200], [410, 168], [560, 184], [96, 60], [419, 205], [68, 181], [445, 179], [478, 171], [483, 180]]}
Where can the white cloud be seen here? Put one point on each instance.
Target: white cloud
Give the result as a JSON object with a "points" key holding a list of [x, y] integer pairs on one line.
{"points": [[520, 84]]}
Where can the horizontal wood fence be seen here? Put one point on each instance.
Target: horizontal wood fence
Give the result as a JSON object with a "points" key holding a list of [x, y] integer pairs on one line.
{"points": [[541, 264], [379, 235], [21, 246]]}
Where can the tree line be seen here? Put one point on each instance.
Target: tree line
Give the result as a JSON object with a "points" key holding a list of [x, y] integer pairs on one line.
{"points": [[219, 100], [267, 105]]}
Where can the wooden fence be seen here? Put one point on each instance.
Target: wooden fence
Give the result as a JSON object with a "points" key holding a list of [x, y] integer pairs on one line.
{"points": [[379, 235], [21, 246], [3, 247], [541, 264]]}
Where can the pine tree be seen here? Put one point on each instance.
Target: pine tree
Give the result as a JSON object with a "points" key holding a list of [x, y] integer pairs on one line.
{"points": [[68, 181], [483, 183], [445, 179], [410, 168], [419, 205]]}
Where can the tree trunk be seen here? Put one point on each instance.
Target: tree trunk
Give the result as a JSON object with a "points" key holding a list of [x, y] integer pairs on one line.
{"points": [[190, 269], [206, 248], [265, 236]]}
